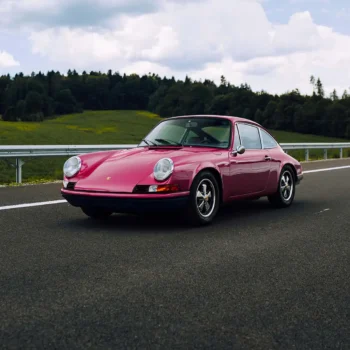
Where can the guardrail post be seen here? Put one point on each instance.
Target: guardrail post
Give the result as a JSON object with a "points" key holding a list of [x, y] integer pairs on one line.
{"points": [[341, 153], [325, 153], [18, 166], [306, 155]]}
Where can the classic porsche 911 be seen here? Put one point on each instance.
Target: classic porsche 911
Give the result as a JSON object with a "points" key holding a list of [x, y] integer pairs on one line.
{"points": [[192, 163]]}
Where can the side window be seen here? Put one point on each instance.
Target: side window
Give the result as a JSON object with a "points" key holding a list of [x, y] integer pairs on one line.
{"points": [[268, 141], [250, 136], [237, 141]]}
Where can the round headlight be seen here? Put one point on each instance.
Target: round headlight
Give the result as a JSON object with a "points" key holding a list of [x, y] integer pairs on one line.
{"points": [[72, 166], [163, 169]]}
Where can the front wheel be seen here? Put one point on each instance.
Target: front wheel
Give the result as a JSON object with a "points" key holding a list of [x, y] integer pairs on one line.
{"points": [[96, 213], [204, 201], [285, 193]]}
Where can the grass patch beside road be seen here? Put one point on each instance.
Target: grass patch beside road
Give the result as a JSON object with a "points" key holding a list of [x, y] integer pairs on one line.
{"points": [[101, 127], [314, 154], [90, 127]]}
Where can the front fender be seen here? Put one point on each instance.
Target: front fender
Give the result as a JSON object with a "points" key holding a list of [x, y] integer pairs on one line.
{"points": [[205, 165], [89, 162], [184, 174]]}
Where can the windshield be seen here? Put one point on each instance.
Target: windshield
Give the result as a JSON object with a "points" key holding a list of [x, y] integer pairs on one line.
{"points": [[195, 131]]}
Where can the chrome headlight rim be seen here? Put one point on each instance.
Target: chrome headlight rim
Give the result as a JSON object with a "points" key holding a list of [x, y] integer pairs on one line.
{"points": [[162, 176], [69, 169]]}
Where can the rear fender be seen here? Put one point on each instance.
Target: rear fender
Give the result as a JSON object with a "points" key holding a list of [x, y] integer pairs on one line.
{"points": [[294, 164]]}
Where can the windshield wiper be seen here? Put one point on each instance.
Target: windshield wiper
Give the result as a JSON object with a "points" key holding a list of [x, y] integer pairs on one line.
{"points": [[148, 142], [169, 142]]}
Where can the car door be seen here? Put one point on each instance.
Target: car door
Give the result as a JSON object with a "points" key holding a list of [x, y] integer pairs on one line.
{"points": [[249, 171]]}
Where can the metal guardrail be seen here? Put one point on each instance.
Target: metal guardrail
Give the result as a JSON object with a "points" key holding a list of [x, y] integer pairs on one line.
{"points": [[18, 152], [55, 150], [319, 145]]}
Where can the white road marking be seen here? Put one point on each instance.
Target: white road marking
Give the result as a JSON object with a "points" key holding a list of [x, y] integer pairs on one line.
{"points": [[322, 211], [8, 207], [27, 205], [326, 169]]}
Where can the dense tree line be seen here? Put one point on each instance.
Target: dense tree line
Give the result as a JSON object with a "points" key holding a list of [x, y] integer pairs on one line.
{"points": [[40, 96]]}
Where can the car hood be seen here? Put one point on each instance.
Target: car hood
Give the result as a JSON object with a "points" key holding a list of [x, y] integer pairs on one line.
{"points": [[121, 171]]}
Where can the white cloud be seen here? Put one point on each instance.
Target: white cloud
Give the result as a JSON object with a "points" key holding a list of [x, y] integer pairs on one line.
{"points": [[74, 13], [182, 34], [7, 60], [145, 67], [13, 10], [300, 34], [78, 47], [206, 39], [281, 73]]}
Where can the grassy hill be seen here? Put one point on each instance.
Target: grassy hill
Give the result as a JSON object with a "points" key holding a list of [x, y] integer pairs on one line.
{"points": [[91, 127], [98, 127]]}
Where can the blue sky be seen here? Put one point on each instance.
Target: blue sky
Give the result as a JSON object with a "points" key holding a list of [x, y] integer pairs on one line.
{"points": [[274, 45]]}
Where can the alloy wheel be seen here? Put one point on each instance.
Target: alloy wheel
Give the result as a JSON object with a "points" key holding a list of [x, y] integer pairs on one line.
{"points": [[286, 186], [206, 198]]}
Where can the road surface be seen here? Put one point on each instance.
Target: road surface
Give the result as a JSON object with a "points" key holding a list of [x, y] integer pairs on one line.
{"points": [[257, 278]]}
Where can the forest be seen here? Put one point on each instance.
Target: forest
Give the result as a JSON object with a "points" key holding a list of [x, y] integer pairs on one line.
{"points": [[42, 96]]}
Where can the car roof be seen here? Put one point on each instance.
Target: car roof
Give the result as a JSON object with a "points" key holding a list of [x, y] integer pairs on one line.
{"points": [[232, 118]]}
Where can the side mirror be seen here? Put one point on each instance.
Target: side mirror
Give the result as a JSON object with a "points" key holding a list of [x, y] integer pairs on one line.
{"points": [[240, 150]]}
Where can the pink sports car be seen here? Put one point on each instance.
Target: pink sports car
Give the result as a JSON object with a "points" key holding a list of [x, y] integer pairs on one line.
{"points": [[190, 163]]}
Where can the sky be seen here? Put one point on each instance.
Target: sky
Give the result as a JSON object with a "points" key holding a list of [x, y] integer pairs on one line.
{"points": [[272, 45]]}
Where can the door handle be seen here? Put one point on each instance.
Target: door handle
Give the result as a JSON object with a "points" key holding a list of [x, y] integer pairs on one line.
{"points": [[267, 158]]}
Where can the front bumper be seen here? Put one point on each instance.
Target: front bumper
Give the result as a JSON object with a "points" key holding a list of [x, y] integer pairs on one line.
{"points": [[127, 203]]}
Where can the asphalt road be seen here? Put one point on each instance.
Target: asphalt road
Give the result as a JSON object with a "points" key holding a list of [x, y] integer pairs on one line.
{"points": [[258, 278]]}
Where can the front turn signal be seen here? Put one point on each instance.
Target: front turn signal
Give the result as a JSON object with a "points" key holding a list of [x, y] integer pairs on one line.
{"points": [[163, 188]]}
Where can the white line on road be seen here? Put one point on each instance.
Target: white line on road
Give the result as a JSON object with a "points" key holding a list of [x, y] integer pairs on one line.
{"points": [[326, 169], [64, 201], [322, 211], [8, 207]]}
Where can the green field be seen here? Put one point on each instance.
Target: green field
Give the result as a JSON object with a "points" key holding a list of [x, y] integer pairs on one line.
{"points": [[101, 127]]}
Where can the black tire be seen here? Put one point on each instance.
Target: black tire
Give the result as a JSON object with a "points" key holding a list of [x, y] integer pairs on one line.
{"points": [[194, 214], [96, 213], [283, 197]]}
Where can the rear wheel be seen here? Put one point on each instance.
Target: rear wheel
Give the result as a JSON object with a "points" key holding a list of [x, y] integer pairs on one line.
{"points": [[204, 199], [96, 213], [285, 193]]}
